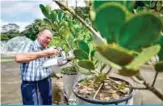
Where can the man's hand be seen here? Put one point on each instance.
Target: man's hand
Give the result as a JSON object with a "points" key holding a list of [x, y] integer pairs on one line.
{"points": [[51, 51]]}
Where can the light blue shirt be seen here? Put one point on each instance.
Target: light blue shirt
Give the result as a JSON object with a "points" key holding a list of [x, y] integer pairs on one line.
{"points": [[32, 71]]}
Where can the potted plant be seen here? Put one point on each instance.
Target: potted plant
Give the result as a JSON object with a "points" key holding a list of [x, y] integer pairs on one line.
{"points": [[94, 85], [123, 35]]}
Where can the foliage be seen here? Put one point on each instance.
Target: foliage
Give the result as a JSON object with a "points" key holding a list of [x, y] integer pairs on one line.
{"points": [[67, 29], [4, 37], [83, 12], [129, 36], [10, 31], [152, 5], [155, 7], [133, 38], [11, 27], [69, 70], [84, 54], [9, 34], [126, 34], [32, 30]]}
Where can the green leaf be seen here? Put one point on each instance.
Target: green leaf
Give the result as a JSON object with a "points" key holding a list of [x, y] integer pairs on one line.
{"points": [[53, 15], [100, 78], [106, 61], [140, 31], [109, 19], [159, 66], [86, 64], [47, 21], [80, 54], [84, 71], [71, 38], [60, 15], [45, 10], [93, 53], [128, 72], [48, 8], [143, 57], [116, 54], [72, 30], [160, 42], [129, 5], [84, 46], [160, 54], [97, 4]]}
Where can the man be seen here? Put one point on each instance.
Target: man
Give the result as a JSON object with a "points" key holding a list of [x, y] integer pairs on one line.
{"points": [[36, 85]]}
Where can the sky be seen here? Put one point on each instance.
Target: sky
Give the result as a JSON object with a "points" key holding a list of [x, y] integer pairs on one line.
{"points": [[24, 12]]}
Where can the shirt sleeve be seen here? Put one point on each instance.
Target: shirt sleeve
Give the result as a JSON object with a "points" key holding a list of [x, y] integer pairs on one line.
{"points": [[27, 47]]}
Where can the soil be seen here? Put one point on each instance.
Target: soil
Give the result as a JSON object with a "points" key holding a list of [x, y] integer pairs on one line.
{"points": [[110, 90]]}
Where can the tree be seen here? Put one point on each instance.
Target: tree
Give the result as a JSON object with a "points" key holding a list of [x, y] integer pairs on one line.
{"points": [[10, 28], [9, 31], [32, 30]]}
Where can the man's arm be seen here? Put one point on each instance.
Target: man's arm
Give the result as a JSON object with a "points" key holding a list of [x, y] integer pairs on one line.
{"points": [[29, 56]]}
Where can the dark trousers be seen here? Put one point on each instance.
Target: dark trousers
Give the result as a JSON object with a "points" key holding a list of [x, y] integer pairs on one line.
{"points": [[37, 92]]}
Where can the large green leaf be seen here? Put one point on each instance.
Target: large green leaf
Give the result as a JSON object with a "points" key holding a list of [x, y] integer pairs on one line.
{"points": [[109, 18], [84, 71], [106, 61], [160, 42], [160, 54], [140, 31], [80, 54], [143, 57], [97, 4], [128, 72], [45, 10], [86, 64], [47, 21], [84, 46], [129, 5], [159, 66], [53, 15], [116, 54]]}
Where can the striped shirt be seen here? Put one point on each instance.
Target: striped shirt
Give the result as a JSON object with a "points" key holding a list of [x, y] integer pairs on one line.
{"points": [[32, 71]]}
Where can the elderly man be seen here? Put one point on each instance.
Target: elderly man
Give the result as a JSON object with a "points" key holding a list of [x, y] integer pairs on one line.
{"points": [[36, 85]]}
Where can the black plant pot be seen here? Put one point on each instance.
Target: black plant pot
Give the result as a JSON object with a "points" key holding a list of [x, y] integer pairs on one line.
{"points": [[124, 100]]}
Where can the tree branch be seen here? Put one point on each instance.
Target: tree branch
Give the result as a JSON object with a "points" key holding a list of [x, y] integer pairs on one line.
{"points": [[152, 88]]}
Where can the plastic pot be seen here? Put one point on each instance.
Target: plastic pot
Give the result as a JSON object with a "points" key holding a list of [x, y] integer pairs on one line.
{"points": [[124, 100], [68, 81]]}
